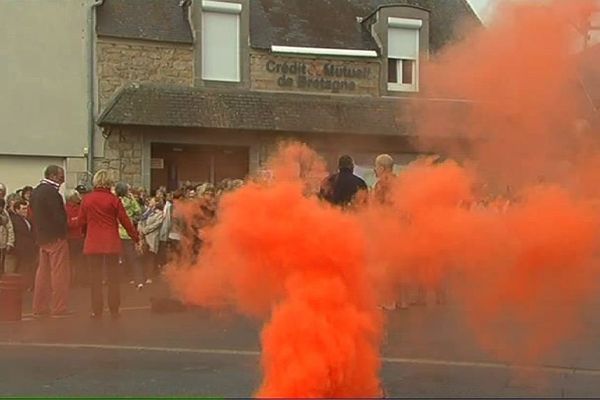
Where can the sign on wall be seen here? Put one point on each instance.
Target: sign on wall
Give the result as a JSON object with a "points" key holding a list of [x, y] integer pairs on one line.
{"points": [[325, 76], [157, 163]]}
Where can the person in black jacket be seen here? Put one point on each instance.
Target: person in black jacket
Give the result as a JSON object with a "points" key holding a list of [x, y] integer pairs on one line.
{"points": [[341, 188], [25, 250], [50, 227]]}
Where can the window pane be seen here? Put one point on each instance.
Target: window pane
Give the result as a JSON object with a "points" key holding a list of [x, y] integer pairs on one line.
{"points": [[392, 70], [407, 71], [220, 46], [403, 43]]}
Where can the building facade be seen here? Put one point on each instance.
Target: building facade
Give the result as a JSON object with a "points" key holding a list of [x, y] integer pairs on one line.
{"points": [[44, 108], [198, 91]]}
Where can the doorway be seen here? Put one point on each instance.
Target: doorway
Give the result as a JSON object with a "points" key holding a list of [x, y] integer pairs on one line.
{"points": [[173, 165]]}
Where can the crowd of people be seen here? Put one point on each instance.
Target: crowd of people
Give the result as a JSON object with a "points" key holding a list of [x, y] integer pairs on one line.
{"points": [[97, 236], [349, 191]]}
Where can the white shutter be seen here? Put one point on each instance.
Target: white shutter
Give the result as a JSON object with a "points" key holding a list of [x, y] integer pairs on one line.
{"points": [[403, 43], [220, 46]]}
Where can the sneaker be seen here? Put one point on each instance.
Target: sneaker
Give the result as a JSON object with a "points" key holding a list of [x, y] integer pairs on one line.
{"points": [[95, 315], [148, 281], [132, 282], [140, 286]]}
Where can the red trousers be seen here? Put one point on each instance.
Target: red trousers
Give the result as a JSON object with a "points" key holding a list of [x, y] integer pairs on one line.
{"points": [[51, 292]]}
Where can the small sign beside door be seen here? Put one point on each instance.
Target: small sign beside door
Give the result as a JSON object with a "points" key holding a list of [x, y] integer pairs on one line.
{"points": [[157, 163]]}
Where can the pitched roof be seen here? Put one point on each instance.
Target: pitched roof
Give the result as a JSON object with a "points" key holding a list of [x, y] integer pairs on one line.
{"points": [[304, 23], [333, 23], [159, 20], [173, 106]]}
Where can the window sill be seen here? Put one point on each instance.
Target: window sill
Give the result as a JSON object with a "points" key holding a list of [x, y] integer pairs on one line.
{"points": [[394, 87], [221, 80]]}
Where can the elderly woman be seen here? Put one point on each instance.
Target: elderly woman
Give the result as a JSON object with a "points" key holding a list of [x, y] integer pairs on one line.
{"points": [[7, 235], [11, 199], [131, 258], [149, 227], [101, 213]]}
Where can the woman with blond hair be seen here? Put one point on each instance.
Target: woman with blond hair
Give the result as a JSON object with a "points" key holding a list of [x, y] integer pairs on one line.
{"points": [[101, 213]]}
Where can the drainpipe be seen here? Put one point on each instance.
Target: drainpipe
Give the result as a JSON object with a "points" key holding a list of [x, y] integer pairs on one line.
{"points": [[91, 86]]}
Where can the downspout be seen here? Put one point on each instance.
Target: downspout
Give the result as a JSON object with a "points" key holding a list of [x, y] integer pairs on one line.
{"points": [[91, 84]]}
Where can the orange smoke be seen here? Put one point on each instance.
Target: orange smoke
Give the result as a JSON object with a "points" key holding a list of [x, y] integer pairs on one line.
{"points": [[522, 270], [521, 78], [298, 264], [526, 250], [511, 228]]}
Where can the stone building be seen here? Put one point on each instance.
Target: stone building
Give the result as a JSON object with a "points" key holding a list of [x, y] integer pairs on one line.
{"points": [[199, 90]]}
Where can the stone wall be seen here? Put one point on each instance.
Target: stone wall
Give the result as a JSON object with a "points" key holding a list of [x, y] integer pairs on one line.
{"points": [[123, 155], [122, 62], [314, 75]]}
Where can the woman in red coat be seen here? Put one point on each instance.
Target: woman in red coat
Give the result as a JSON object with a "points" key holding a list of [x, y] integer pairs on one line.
{"points": [[100, 214]]}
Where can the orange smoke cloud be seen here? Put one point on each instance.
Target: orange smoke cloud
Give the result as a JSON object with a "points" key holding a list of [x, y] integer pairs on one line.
{"points": [[514, 91], [298, 264], [511, 226], [521, 78]]}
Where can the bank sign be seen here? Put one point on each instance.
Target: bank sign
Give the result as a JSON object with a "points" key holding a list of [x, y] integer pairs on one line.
{"points": [[322, 76]]}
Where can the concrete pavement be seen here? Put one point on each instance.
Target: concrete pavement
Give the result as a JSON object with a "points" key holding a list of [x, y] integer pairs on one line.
{"points": [[429, 352]]}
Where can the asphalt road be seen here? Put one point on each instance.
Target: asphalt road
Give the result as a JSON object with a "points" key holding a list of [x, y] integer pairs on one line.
{"points": [[428, 352]]}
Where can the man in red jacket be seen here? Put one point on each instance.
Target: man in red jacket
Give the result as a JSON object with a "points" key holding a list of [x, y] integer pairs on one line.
{"points": [[100, 214]]}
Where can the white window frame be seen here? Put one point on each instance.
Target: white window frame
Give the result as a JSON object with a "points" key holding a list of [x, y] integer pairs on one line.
{"points": [[404, 87], [219, 7], [398, 86]]}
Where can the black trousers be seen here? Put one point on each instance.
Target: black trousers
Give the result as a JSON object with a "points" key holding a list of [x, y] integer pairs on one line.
{"points": [[27, 265], [2, 260], [79, 268], [99, 263]]}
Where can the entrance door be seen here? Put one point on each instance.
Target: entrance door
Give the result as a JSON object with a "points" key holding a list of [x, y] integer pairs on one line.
{"points": [[176, 165]]}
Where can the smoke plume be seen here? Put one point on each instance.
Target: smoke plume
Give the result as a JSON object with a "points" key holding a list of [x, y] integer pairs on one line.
{"points": [[299, 265], [508, 226]]}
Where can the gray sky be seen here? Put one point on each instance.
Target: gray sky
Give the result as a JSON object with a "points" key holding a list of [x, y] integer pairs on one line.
{"points": [[482, 7]]}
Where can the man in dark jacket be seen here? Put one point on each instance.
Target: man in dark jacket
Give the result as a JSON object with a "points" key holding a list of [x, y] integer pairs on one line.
{"points": [[25, 250], [50, 226], [341, 188]]}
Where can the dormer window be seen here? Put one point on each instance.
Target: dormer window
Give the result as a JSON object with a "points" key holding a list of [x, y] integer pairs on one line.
{"points": [[403, 54], [221, 41]]}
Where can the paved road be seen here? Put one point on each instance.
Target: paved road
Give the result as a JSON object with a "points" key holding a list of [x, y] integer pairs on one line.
{"points": [[428, 353]]}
